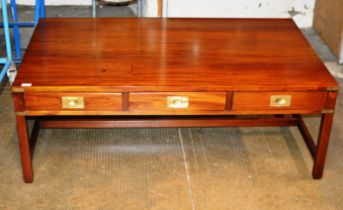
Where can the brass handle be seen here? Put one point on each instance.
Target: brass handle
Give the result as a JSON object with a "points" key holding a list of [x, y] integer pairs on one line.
{"points": [[177, 102], [72, 102], [280, 100]]}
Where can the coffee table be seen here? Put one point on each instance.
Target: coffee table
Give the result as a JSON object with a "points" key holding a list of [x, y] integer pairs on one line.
{"points": [[128, 72]]}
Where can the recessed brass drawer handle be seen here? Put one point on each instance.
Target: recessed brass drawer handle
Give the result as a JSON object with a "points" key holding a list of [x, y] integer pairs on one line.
{"points": [[177, 102], [280, 100], [72, 102]]}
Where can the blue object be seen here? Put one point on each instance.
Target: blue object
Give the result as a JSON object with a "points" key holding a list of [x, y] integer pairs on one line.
{"points": [[15, 24], [5, 61], [39, 11], [16, 30], [21, 24], [6, 30], [4, 70]]}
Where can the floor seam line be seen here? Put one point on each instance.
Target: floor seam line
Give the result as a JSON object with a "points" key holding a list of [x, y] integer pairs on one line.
{"points": [[186, 166]]}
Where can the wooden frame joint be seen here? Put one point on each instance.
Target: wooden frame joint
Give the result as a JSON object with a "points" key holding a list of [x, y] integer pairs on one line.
{"points": [[333, 89], [328, 111], [20, 113]]}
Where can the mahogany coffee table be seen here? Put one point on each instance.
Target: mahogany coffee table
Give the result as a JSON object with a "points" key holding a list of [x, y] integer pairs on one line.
{"points": [[128, 72]]}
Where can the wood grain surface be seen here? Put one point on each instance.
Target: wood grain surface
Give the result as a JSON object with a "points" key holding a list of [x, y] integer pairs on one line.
{"points": [[158, 101], [129, 54], [299, 100], [92, 101]]}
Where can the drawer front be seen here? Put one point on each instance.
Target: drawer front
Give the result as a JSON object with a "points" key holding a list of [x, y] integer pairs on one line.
{"points": [[174, 101], [73, 101], [278, 100]]}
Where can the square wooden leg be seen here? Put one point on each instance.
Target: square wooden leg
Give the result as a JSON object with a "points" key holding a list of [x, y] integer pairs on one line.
{"points": [[25, 151], [322, 145]]}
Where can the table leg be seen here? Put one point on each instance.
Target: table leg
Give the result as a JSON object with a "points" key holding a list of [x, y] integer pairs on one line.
{"points": [[25, 153], [322, 145]]}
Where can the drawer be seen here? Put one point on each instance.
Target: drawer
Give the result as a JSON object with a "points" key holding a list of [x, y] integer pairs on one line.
{"points": [[278, 100], [73, 101], [174, 101]]}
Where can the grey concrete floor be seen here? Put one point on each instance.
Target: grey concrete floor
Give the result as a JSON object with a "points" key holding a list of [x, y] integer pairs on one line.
{"points": [[212, 168]]}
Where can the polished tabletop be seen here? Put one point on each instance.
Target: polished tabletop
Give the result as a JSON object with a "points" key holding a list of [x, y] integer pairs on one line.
{"points": [[150, 54]]}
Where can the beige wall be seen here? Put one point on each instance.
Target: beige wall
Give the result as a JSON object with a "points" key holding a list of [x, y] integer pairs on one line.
{"points": [[328, 22]]}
